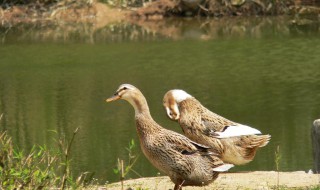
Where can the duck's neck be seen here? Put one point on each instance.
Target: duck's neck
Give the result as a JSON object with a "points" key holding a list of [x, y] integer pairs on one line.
{"points": [[140, 106], [144, 122]]}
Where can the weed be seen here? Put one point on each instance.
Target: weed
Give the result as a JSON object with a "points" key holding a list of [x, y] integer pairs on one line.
{"points": [[66, 150], [277, 162], [19, 170], [39, 168], [122, 170]]}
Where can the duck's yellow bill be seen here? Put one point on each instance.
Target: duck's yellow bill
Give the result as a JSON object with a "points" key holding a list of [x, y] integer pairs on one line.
{"points": [[113, 98]]}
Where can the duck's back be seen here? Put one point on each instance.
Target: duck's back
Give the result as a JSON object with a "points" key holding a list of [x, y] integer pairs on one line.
{"points": [[200, 125], [193, 112]]}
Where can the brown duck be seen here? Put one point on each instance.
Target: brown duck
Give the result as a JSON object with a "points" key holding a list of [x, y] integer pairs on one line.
{"points": [[235, 143], [186, 163]]}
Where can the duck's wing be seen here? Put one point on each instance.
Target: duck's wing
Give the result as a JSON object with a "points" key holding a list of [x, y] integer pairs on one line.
{"points": [[217, 126], [188, 147], [184, 145]]}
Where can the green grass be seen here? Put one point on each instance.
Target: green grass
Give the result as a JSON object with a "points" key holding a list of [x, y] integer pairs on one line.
{"points": [[21, 170], [40, 168]]}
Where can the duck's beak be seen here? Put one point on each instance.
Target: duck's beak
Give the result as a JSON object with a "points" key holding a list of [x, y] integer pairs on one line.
{"points": [[113, 98]]}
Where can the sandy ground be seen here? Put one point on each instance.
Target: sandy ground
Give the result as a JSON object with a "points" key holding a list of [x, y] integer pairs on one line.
{"points": [[259, 180]]}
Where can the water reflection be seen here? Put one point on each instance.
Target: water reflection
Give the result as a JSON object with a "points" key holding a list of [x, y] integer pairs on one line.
{"points": [[171, 28]]}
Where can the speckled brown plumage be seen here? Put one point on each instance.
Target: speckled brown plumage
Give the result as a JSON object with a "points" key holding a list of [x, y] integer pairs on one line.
{"points": [[200, 125], [187, 163]]}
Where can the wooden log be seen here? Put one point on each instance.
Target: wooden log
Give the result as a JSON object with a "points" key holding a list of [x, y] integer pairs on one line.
{"points": [[315, 135]]}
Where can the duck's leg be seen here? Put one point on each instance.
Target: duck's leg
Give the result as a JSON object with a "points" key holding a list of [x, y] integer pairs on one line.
{"points": [[177, 187]]}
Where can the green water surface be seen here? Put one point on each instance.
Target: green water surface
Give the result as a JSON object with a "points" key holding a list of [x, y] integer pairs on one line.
{"points": [[267, 77]]}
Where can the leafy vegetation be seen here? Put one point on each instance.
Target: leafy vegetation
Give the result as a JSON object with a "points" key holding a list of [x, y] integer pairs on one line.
{"points": [[43, 168], [40, 168], [20, 170], [122, 170]]}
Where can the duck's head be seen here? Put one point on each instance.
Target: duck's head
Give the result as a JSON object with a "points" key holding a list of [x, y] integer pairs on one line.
{"points": [[171, 101], [125, 92], [131, 94]]}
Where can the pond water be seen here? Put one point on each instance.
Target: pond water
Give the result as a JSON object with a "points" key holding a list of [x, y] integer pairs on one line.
{"points": [[263, 72]]}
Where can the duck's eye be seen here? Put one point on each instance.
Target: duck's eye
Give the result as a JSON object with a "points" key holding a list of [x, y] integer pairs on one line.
{"points": [[124, 88]]}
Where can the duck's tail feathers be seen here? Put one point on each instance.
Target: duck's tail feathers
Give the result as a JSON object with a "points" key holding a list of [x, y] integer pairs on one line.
{"points": [[261, 140]]}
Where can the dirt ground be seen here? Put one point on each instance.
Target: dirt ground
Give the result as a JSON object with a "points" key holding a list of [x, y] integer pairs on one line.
{"points": [[258, 180]]}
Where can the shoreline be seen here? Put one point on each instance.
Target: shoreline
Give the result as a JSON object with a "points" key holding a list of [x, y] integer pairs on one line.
{"points": [[101, 14], [261, 180]]}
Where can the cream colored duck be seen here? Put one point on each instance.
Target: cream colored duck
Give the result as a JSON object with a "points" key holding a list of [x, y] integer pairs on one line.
{"points": [[235, 143], [186, 163]]}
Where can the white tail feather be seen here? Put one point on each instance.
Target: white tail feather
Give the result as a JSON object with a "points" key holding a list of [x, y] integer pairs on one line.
{"points": [[238, 130], [223, 168]]}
